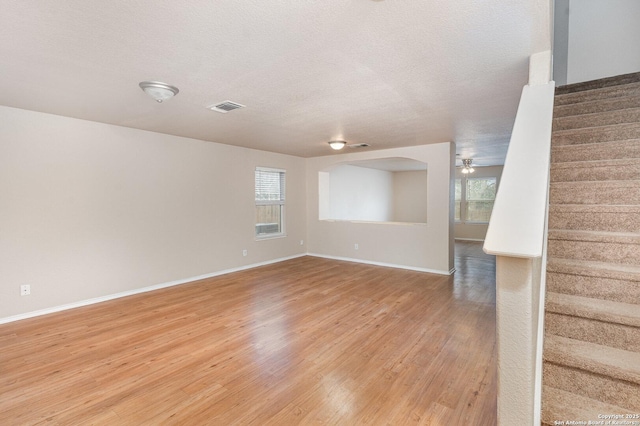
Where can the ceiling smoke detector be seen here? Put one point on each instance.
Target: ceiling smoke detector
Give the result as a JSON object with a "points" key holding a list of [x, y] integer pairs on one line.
{"points": [[225, 107]]}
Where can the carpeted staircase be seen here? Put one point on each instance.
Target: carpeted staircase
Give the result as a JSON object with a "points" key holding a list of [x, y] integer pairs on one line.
{"points": [[592, 320]]}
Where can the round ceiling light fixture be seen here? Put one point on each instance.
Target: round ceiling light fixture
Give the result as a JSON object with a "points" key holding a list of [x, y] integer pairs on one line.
{"points": [[158, 90], [337, 145]]}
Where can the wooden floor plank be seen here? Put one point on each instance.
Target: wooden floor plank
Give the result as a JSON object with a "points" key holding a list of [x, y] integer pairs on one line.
{"points": [[305, 341]]}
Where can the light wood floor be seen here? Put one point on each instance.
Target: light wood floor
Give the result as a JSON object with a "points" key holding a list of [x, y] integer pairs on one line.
{"points": [[306, 341]]}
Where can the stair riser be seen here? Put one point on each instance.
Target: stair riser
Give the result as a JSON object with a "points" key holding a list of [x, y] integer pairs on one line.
{"points": [[597, 95], [627, 254], [596, 120], [608, 361], [575, 174], [623, 81], [588, 330], [598, 151], [595, 287], [603, 105], [597, 135], [600, 221], [560, 407], [594, 386], [627, 193]]}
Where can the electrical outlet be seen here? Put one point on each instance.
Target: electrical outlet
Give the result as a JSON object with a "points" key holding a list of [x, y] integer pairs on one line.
{"points": [[356, 246], [25, 290], [244, 252], [301, 242]]}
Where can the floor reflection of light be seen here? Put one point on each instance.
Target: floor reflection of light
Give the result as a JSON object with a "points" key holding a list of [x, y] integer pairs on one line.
{"points": [[471, 261], [337, 394], [269, 334]]}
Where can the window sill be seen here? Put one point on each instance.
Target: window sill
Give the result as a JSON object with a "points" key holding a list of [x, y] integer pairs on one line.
{"points": [[270, 236], [374, 222]]}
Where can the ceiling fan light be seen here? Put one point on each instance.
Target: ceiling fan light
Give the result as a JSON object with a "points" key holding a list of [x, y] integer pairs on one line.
{"points": [[158, 90], [337, 145], [467, 166]]}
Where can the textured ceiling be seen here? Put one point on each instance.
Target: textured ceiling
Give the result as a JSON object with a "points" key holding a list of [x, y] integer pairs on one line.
{"points": [[388, 73]]}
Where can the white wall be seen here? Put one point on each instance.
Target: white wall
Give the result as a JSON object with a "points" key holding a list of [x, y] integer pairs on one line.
{"points": [[476, 231], [351, 192], [603, 39], [360, 193], [90, 209], [422, 246], [410, 196]]}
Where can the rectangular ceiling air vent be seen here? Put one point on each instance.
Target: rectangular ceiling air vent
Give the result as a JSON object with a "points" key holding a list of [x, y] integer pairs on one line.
{"points": [[359, 145], [225, 107]]}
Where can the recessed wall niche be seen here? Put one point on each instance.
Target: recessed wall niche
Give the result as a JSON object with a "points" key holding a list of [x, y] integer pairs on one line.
{"points": [[378, 190]]}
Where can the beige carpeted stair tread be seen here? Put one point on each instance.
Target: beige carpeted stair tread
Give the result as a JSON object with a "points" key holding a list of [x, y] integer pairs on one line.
{"points": [[593, 208], [596, 170], [627, 100], [595, 236], [620, 336], [561, 406], [595, 217], [598, 309], [623, 80], [629, 148], [629, 115], [595, 246], [604, 389], [617, 290], [604, 360], [595, 95], [594, 269], [615, 132], [595, 192], [618, 162]]}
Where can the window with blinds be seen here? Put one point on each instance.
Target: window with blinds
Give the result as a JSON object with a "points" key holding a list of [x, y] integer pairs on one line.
{"points": [[270, 198]]}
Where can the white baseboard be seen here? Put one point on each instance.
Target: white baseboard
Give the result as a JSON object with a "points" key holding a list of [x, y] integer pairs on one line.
{"points": [[470, 239], [389, 265], [95, 300], [138, 291]]}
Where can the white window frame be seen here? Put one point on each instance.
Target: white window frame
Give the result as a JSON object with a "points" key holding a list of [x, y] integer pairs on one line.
{"points": [[455, 200], [281, 202]]}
